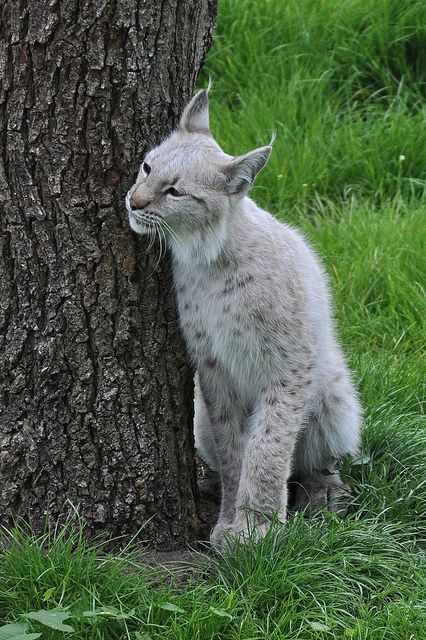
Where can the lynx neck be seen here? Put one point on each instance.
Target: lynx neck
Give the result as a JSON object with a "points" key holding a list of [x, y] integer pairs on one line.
{"points": [[217, 244]]}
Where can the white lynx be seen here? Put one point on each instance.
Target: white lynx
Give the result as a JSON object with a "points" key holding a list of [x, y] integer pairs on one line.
{"points": [[276, 398]]}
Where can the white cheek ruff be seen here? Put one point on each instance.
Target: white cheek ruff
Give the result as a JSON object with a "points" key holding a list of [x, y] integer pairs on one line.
{"points": [[137, 225]]}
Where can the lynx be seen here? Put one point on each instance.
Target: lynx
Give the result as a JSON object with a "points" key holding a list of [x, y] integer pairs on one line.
{"points": [[275, 398]]}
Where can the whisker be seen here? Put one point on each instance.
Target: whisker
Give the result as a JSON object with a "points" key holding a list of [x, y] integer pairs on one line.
{"points": [[173, 234], [165, 240], [157, 229], [151, 238], [176, 237]]}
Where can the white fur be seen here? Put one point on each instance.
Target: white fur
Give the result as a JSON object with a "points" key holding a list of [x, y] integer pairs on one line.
{"points": [[275, 394]]}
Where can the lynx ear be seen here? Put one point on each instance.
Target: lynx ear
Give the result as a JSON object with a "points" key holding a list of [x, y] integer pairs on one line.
{"points": [[241, 171], [195, 117]]}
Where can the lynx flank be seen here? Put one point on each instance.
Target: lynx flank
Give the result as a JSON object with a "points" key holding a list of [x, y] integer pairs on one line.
{"points": [[275, 397]]}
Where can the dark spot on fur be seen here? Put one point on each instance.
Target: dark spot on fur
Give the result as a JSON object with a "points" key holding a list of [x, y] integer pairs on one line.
{"points": [[227, 308], [259, 317], [236, 332], [206, 395], [199, 334], [227, 290], [333, 399], [211, 363], [244, 280], [187, 305], [224, 415]]}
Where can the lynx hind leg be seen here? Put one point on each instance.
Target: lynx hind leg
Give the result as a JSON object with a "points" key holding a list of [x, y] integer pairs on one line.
{"points": [[317, 491], [331, 431], [203, 432]]}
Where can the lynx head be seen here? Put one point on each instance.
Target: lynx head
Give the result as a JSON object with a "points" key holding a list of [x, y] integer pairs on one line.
{"points": [[188, 185]]}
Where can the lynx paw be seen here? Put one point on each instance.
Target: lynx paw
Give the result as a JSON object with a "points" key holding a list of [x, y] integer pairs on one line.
{"points": [[220, 533], [242, 530], [320, 491]]}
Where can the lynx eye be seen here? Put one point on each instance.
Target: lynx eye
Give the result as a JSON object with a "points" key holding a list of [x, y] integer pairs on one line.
{"points": [[171, 191], [146, 168]]}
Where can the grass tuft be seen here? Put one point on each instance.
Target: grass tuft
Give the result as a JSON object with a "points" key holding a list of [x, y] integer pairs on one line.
{"points": [[343, 85]]}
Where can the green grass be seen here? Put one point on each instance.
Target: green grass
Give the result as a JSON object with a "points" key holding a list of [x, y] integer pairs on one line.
{"points": [[312, 579], [342, 83]]}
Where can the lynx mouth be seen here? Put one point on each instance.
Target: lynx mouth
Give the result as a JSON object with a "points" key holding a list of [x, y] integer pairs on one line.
{"points": [[143, 223], [144, 219]]}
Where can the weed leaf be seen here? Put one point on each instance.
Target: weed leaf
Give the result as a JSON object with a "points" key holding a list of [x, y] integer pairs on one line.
{"points": [[318, 626], [109, 612], [48, 594], [221, 613], [51, 619], [362, 458], [169, 606], [17, 631]]}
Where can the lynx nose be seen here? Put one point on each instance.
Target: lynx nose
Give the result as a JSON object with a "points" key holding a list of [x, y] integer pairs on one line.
{"points": [[137, 201]]}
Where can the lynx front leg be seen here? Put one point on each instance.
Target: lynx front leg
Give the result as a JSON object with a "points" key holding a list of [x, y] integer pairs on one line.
{"points": [[266, 464], [226, 425], [228, 436]]}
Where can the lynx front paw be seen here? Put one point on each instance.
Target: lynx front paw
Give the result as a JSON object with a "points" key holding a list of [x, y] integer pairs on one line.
{"points": [[251, 528], [220, 533], [243, 530]]}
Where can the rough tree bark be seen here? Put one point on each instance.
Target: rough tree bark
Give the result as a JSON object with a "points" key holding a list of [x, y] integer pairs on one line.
{"points": [[95, 388]]}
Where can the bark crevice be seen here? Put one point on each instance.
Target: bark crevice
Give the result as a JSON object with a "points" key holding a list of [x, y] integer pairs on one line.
{"points": [[95, 388]]}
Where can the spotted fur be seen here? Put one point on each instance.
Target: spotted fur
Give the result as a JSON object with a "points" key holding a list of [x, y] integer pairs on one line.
{"points": [[275, 397]]}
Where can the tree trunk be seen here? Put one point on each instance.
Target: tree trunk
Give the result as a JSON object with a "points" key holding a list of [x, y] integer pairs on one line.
{"points": [[95, 388]]}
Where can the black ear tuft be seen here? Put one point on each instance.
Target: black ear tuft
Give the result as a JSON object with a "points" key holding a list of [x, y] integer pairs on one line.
{"points": [[201, 103], [195, 117], [242, 171]]}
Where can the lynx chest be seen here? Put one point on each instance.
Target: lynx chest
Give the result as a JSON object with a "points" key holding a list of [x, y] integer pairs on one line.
{"points": [[216, 320]]}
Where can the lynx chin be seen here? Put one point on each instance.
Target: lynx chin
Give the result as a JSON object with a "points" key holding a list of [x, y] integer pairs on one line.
{"points": [[275, 398]]}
